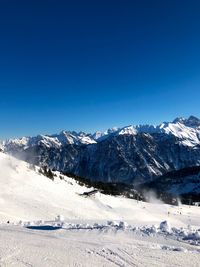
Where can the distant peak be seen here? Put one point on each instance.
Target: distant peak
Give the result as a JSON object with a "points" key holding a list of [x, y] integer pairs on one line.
{"points": [[179, 119], [130, 130], [192, 121], [112, 130], [193, 118], [63, 132]]}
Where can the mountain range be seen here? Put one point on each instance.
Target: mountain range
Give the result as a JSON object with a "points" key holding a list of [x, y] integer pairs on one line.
{"points": [[132, 154]]}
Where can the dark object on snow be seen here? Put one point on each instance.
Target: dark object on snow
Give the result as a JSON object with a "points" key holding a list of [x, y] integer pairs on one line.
{"points": [[44, 227], [8, 221], [90, 193]]}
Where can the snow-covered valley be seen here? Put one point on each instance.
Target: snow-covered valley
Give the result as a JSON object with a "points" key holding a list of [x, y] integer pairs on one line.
{"points": [[99, 230]]}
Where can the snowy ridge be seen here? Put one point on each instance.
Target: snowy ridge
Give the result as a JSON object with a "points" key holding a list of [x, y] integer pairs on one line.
{"points": [[186, 130], [188, 234], [187, 135], [55, 140]]}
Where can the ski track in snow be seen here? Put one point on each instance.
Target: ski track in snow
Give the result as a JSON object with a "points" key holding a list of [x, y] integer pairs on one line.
{"points": [[25, 247]]}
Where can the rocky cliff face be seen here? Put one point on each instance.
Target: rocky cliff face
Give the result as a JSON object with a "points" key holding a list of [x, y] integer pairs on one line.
{"points": [[134, 159]]}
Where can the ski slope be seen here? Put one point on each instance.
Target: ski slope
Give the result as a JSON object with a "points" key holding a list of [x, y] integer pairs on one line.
{"points": [[100, 230], [28, 195]]}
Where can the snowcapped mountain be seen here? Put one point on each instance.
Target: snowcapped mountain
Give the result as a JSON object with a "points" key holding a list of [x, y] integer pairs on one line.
{"points": [[190, 122], [56, 140], [130, 154], [187, 130], [99, 136]]}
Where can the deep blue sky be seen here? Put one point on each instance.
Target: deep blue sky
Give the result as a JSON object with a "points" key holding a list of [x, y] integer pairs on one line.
{"points": [[90, 65]]}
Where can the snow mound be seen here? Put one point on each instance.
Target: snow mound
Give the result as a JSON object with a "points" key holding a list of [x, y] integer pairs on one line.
{"points": [[165, 226], [187, 235]]}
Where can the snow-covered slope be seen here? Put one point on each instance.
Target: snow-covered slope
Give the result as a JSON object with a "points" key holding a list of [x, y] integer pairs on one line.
{"points": [[27, 195], [88, 236], [188, 136]]}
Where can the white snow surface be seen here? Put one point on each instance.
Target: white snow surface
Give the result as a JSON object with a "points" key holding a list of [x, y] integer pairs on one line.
{"points": [[51, 224]]}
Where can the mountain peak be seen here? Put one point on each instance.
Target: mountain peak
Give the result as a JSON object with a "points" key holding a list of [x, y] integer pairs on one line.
{"points": [[130, 130], [192, 121], [179, 119]]}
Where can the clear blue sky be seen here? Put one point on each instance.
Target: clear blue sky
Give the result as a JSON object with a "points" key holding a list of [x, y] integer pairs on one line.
{"points": [[90, 65]]}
